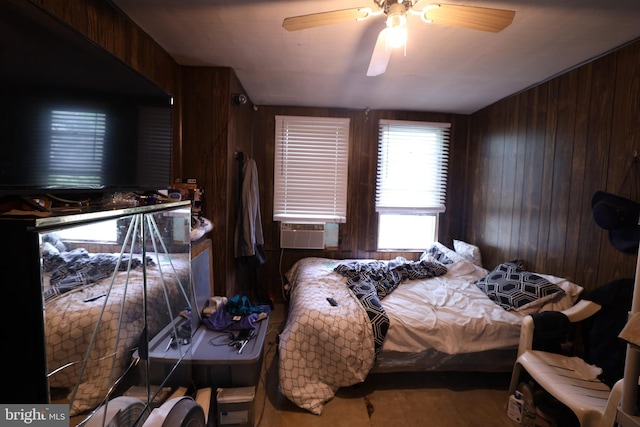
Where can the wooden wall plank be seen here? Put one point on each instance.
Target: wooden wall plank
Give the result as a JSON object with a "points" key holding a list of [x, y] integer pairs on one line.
{"points": [[515, 248], [494, 180], [475, 192], [508, 180], [594, 179], [546, 174], [561, 210], [533, 165]]}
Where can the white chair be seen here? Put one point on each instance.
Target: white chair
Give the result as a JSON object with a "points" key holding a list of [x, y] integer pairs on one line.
{"points": [[593, 403]]}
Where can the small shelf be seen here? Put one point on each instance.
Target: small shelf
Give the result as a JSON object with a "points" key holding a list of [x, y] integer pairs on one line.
{"points": [[75, 218]]}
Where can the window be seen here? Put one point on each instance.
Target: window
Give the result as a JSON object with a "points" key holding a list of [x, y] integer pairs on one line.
{"points": [[310, 169], [411, 183], [101, 231], [76, 156]]}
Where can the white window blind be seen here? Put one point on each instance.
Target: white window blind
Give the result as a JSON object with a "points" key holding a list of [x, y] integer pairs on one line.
{"points": [[412, 167], [77, 148], [310, 169]]}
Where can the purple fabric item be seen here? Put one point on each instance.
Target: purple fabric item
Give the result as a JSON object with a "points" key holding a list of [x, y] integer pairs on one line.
{"points": [[222, 321]]}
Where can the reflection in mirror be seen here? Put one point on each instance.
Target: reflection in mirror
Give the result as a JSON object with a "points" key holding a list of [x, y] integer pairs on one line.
{"points": [[110, 287]]}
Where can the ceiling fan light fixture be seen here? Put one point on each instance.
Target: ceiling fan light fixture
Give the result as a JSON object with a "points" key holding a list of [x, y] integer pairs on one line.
{"points": [[396, 26], [395, 32], [396, 36]]}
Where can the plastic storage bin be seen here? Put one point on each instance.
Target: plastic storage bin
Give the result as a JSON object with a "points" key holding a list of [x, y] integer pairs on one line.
{"points": [[207, 361]]}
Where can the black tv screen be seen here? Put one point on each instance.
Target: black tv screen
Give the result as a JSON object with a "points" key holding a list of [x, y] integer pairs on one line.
{"points": [[64, 142], [73, 117]]}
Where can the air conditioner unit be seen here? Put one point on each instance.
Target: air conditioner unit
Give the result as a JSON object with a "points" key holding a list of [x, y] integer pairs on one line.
{"points": [[301, 236]]}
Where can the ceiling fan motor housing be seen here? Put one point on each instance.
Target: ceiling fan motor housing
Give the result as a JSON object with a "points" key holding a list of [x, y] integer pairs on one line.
{"points": [[396, 15]]}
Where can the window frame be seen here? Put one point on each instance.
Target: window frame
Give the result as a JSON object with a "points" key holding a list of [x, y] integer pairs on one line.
{"points": [[393, 196]]}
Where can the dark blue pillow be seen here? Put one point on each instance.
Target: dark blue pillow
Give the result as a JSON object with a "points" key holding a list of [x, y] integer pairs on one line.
{"points": [[513, 288]]}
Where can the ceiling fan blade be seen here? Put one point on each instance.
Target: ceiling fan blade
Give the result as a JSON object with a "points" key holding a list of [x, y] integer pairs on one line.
{"points": [[477, 18], [301, 22], [381, 55]]}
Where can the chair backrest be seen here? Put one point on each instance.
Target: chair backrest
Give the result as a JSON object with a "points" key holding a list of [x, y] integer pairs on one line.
{"points": [[583, 310], [608, 418], [580, 311]]}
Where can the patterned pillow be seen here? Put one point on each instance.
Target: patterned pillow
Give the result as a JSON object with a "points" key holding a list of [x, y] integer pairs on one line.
{"points": [[513, 288]]}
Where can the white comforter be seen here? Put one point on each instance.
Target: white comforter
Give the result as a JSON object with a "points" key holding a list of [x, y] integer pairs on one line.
{"points": [[323, 347], [448, 313]]}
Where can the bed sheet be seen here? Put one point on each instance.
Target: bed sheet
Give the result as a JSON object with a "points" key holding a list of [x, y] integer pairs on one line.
{"points": [[114, 321], [323, 347]]}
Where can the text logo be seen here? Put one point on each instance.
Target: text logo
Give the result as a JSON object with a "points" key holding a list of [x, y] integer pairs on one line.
{"points": [[40, 415]]}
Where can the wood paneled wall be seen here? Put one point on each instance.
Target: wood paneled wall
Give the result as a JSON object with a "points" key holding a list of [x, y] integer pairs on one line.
{"points": [[214, 132], [538, 157], [358, 234]]}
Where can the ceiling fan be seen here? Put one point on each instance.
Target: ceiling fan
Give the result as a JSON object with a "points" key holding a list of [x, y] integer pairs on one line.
{"points": [[395, 33]]}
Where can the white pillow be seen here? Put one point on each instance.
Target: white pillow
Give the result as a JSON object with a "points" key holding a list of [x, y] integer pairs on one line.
{"points": [[443, 250], [468, 251]]}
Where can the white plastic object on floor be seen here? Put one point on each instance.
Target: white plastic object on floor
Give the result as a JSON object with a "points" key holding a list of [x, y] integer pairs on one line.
{"points": [[177, 412], [593, 403]]}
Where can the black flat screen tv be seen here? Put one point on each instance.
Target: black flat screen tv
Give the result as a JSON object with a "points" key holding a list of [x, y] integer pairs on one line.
{"points": [[73, 117]]}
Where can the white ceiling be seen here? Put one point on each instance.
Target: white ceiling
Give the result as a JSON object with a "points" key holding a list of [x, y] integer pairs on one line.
{"points": [[446, 69]]}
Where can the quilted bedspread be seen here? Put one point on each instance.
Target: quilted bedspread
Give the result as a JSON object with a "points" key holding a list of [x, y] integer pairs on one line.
{"points": [[103, 324], [324, 347]]}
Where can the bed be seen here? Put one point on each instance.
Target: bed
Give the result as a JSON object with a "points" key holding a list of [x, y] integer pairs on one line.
{"points": [[346, 321], [94, 316]]}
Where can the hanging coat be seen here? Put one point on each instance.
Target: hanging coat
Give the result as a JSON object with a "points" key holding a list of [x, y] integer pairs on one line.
{"points": [[249, 236]]}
